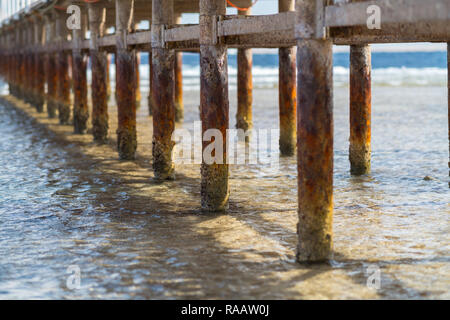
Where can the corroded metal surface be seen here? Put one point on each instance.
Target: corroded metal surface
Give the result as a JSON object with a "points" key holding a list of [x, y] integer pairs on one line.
{"points": [[315, 150], [51, 74], [63, 88], [125, 83], [179, 107], [80, 92], [244, 119], [214, 106], [163, 112], [360, 109], [163, 93], [100, 74], [138, 80], [287, 100]]}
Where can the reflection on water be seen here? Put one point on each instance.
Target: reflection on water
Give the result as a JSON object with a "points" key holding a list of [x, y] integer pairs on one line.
{"points": [[66, 201]]}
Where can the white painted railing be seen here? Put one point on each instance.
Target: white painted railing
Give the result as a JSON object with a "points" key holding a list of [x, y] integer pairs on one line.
{"points": [[8, 8]]}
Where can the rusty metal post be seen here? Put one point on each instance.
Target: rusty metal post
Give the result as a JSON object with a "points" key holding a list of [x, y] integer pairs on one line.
{"points": [[51, 73], [314, 133], [108, 78], [163, 92], [63, 71], [287, 91], [179, 106], [138, 80], [79, 73], [99, 65], [125, 81], [214, 104], [22, 67], [39, 61], [360, 109], [150, 97], [244, 86], [29, 65]]}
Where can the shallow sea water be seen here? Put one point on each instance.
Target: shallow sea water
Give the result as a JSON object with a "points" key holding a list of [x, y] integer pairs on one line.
{"points": [[65, 201]]}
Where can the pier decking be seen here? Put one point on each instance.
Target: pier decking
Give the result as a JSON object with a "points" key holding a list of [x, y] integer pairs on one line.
{"points": [[43, 61]]}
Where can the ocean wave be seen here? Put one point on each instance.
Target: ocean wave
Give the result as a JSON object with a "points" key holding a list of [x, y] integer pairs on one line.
{"points": [[267, 77]]}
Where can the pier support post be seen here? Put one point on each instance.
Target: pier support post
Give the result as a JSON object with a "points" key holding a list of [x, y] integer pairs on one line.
{"points": [[29, 63], [150, 76], [244, 119], [287, 91], [360, 109], [125, 82], [179, 107], [314, 134], [448, 97], [51, 73], [138, 80], [39, 79], [163, 92], [22, 69], [214, 106], [63, 72], [79, 74], [99, 65]]}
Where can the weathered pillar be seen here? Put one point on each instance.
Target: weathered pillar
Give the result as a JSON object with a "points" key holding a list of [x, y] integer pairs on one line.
{"points": [[138, 80], [214, 105], [51, 70], [360, 109], [22, 62], [79, 74], [99, 65], [108, 78], [150, 97], [448, 97], [125, 81], [179, 106], [163, 92], [29, 65], [39, 62], [244, 86], [287, 91], [314, 134], [63, 71]]}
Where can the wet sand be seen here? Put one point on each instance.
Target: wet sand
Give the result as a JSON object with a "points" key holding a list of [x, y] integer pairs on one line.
{"points": [[133, 238]]}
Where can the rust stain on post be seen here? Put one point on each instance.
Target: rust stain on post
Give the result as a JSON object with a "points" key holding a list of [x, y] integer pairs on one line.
{"points": [[287, 92], [99, 65], [315, 142], [63, 88], [79, 74], [52, 92], [163, 92], [360, 109], [125, 82], [214, 105], [287, 98], [138, 80], [244, 119], [179, 106]]}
